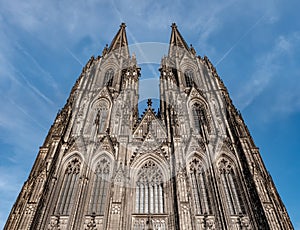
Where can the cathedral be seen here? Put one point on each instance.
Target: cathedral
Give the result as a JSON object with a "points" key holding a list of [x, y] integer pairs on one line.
{"points": [[192, 164]]}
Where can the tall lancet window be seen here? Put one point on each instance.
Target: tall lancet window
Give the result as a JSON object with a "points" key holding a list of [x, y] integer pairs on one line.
{"points": [[102, 116], [189, 77], [149, 189], [108, 77], [69, 187], [101, 179], [199, 116], [200, 187], [231, 188]]}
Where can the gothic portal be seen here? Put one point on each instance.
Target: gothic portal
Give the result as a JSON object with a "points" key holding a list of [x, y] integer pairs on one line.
{"points": [[191, 165]]}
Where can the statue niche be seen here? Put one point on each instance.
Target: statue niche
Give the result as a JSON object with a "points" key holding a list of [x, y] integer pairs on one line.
{"points": [[101, 120]]}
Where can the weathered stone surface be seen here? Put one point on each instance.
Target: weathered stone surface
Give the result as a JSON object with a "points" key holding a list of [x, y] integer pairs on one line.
{"points": [[193, 165]]}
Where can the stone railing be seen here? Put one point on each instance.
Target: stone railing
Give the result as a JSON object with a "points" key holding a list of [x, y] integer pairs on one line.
{"points": [[149, 221]]}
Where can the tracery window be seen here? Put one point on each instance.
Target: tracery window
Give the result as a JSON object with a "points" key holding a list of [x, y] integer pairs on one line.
{"points": [[102, 116], [189, 78], [231, 188], [108, 77], [200, 187], [69, 187], [100, 188], [149, 189], [199, 116]]}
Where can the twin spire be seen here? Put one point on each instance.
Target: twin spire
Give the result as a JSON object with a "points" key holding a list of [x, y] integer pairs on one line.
{"points": [[120, 43], [177, 40]]}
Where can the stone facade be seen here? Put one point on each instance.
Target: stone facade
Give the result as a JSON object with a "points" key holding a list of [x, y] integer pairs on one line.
{"points": [[191, 165]]}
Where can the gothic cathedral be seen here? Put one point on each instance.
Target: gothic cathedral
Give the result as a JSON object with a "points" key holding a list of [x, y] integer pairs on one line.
{"points": [[190, 165]]}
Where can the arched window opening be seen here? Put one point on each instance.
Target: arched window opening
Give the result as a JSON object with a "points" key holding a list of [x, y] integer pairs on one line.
{"points": [[69, 187], [108, 78], [100, 187], [231, 188], [149, 189], [189, 78], [200, 188], [102, 116], [200, 118]]}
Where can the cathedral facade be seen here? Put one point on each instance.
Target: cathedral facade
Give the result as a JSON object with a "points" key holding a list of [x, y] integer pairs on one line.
{"points": [[191, 165]]}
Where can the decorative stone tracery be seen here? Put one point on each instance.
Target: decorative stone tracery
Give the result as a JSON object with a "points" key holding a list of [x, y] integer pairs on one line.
{"points": [[150, 189], [100, 186], [69, 187], [200, 187], [231, 187]]}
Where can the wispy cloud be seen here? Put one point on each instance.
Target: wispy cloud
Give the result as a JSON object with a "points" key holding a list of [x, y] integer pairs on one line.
{"points": [[241, 38], [45, 74], [36, 90], [269, 66], [75, 57], [22, 110]]}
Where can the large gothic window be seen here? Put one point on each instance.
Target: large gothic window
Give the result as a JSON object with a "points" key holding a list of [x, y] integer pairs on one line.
{"points": [[69, 187], [108, 77], [102, 116], [200, 188], [231, 188], [100, 187], [189, 78], [199, 116], [149, 189]]}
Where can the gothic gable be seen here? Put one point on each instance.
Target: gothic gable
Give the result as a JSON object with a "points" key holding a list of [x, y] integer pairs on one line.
{"points": [[196, 94], [149, 122], [78, 144], [195, 144], [106, 143], [103, 93], [187, 61], [150, 146]]}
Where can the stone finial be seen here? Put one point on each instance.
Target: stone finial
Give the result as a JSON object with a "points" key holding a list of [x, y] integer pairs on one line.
{"points": [[105, 50], [149, 102]]}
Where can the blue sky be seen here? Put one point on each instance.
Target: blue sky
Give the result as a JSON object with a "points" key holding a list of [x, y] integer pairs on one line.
{"points": [[255, 46]]}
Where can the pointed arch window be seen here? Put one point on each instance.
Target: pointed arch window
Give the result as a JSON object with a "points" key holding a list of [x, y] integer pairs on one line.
{"points": [[149, 189], [189, 77], [199, 116], [69, 187], [100, 187], [108, 77], [102, 116], [231, 188], [200, 187]]}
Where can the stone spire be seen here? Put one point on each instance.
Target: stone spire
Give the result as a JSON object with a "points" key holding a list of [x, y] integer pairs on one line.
{"points": [[119, 43], [177, 40]]}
